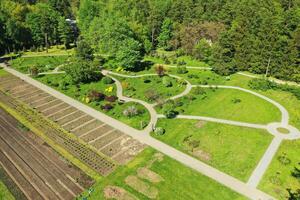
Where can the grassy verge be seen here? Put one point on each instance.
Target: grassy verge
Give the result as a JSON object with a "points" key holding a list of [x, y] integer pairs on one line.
{"points": [[81, 91], [179, 182], [5, 193], [228, 104], [231, 149], [278, 177]]}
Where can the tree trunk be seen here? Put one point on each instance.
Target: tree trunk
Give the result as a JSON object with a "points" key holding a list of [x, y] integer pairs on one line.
{"points": [[267, 71], [46, 42]]}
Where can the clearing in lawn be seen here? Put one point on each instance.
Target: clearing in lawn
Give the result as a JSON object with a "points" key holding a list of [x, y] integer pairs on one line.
{"points": [[231, 149], [230, 104], [174, 175], [278, 178], [139, 119]]}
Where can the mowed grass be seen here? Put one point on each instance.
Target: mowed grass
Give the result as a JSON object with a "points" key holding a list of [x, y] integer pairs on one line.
{"points": [[43, 63], [81, 93], [278, 178], [230, 104], [180, 182], [5, 193], [139, 87], [286, 99], [231, 149]]}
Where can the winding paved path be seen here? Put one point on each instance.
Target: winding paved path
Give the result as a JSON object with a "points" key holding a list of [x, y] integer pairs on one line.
{"points": [[144, 137]]}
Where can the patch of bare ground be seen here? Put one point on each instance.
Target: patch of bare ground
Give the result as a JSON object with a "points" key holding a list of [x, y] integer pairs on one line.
{"points": [[201, 154], [118, 193], [156, 157], [200, 124], [141, 186], [145, 173]]}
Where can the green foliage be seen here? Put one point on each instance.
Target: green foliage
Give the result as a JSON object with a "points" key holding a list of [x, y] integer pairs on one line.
{"points": [[65, 32], [168, 110], [107, 80], [159, 131], [84, 51], [82, 71], [167, 81], [165, 34], [203, 51], [261, 84], [181, 70]]}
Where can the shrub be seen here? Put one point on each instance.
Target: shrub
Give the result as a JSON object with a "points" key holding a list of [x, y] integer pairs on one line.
{"points": [[96, 96], [261, 84], [82, 71], [236, 100], [151, 95], [168, 110], [160, 70], [107, 107], [159, 131], [33, 71], [63, 84], [146, 80], [111, 98], [181, 70], [181, 63], [283, 159], [107, 80], [167, 81], [199, 91], [131, 111]]}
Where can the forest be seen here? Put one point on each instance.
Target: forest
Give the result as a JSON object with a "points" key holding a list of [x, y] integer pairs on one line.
{"points": [[260, 36]]}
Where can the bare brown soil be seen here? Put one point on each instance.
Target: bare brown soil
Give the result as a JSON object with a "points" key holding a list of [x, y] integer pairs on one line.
{"points": [[37, 169], [141, 186], [118, 193], [145, 173], [200, 124]]}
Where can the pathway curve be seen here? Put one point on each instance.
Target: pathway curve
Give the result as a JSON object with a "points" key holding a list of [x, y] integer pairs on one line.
{"points": [[144, 137]]}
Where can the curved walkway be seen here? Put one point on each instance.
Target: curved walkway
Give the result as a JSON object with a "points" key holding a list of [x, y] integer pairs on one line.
{"points": [[247, 189], [265, 161], [229, 181]]}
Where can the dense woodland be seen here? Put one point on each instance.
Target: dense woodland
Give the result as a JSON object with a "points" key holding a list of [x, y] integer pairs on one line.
{"points": [[260, 36]]}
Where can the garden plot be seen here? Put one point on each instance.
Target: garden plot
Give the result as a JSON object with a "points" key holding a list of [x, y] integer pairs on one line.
{"points": [[56, 109], [87, 127], [94, 134], [41, 101], [93, 131], [37, 169], [101, 142], [72, 145], [70, 117], [29, 94], [82, 120], [129, 150], [21, 88], [49, 105], [62, 113]]}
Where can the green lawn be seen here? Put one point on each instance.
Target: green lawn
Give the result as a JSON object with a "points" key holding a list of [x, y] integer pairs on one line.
{"points": [[278, 176], [180, 182], [229, 104], [45, 63], [139, 87], [80, 93], [5, 193], [286, 99], [231, 149]]}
